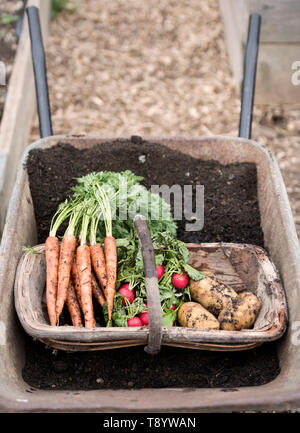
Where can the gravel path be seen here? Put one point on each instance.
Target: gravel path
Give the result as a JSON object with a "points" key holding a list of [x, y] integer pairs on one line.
{"points": [[132, 67]]}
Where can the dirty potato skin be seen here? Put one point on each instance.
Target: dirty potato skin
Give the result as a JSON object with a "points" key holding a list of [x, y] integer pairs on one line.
{"points": [[240, 313], [193, 315], [211, 293]]}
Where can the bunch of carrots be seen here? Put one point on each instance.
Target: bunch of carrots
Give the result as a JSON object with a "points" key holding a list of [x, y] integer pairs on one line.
{"points": [[78, 267]]}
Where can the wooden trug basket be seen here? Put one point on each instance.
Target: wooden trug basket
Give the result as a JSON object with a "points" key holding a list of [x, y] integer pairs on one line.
{"points": [[241, 266]]}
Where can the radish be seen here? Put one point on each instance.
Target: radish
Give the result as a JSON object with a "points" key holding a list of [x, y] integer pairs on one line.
{"points": [[160, 270], [134, 321], [173, 307], [144, 318], [128, 294], [125, 286], [180, 281]]}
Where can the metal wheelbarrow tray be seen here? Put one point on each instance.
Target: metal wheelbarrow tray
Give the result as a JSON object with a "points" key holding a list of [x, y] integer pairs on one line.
{"points": [[280, 240]]}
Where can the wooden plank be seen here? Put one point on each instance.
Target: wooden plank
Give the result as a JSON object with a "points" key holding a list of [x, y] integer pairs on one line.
{"points": [[19, 109], [280, 19], [274, 74], [231, 16], [279, 46]]}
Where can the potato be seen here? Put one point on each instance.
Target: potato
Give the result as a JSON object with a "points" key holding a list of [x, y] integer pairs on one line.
{"points": [[240, 313], [211, 293], [193, 315]]}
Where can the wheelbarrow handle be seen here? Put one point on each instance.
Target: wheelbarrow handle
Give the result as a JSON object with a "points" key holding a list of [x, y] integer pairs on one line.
{"points": [[40, 74], [248, 86], [19, 24], [153, 297]]}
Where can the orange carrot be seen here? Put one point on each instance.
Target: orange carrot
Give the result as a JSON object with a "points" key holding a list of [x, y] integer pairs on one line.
{"points": [[76, 281], [83, 262], [110, 248], [52, 261], [67, 252], [98, 263], [97, 292], [73, 306]]}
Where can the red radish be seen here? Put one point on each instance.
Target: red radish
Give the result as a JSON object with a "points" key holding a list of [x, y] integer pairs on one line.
{"points": [[173, 307], [160, 270], [144, 318], [180, 281], [134, 321], [125, 286], [128, 294]]}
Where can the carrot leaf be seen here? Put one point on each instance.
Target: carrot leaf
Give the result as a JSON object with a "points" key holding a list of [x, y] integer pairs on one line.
{"points": [[31, 250]]}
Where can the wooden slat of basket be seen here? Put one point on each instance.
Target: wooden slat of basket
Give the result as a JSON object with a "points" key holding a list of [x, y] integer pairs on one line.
{"points": [[83, 347], [78, 347], [215, 347], [153, 296], [217, 263]]}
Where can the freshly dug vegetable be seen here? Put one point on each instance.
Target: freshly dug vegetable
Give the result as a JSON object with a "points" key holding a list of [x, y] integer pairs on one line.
{"points": [[211, 293], [97, 292], [52, 261], [251, 298], [144, 318], [193, 315], [110, 250], [128, 295], [84, 269], [73, 306], [125, 286], [83, 262], [180, 281], [97, 254], [123, 312], [160, 270], [76, 282], [134, 321], [67, 251], [99, 265], [240, 313]]}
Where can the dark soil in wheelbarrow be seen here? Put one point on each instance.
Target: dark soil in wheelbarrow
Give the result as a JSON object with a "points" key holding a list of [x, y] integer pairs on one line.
{"points": [[231, 215]]}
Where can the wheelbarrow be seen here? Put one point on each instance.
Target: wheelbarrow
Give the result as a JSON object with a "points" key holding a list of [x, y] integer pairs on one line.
{"points": [[280, 240]]}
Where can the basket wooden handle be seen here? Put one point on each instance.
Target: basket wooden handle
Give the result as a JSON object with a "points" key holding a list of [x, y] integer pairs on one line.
{"points": [[153, 297]]}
